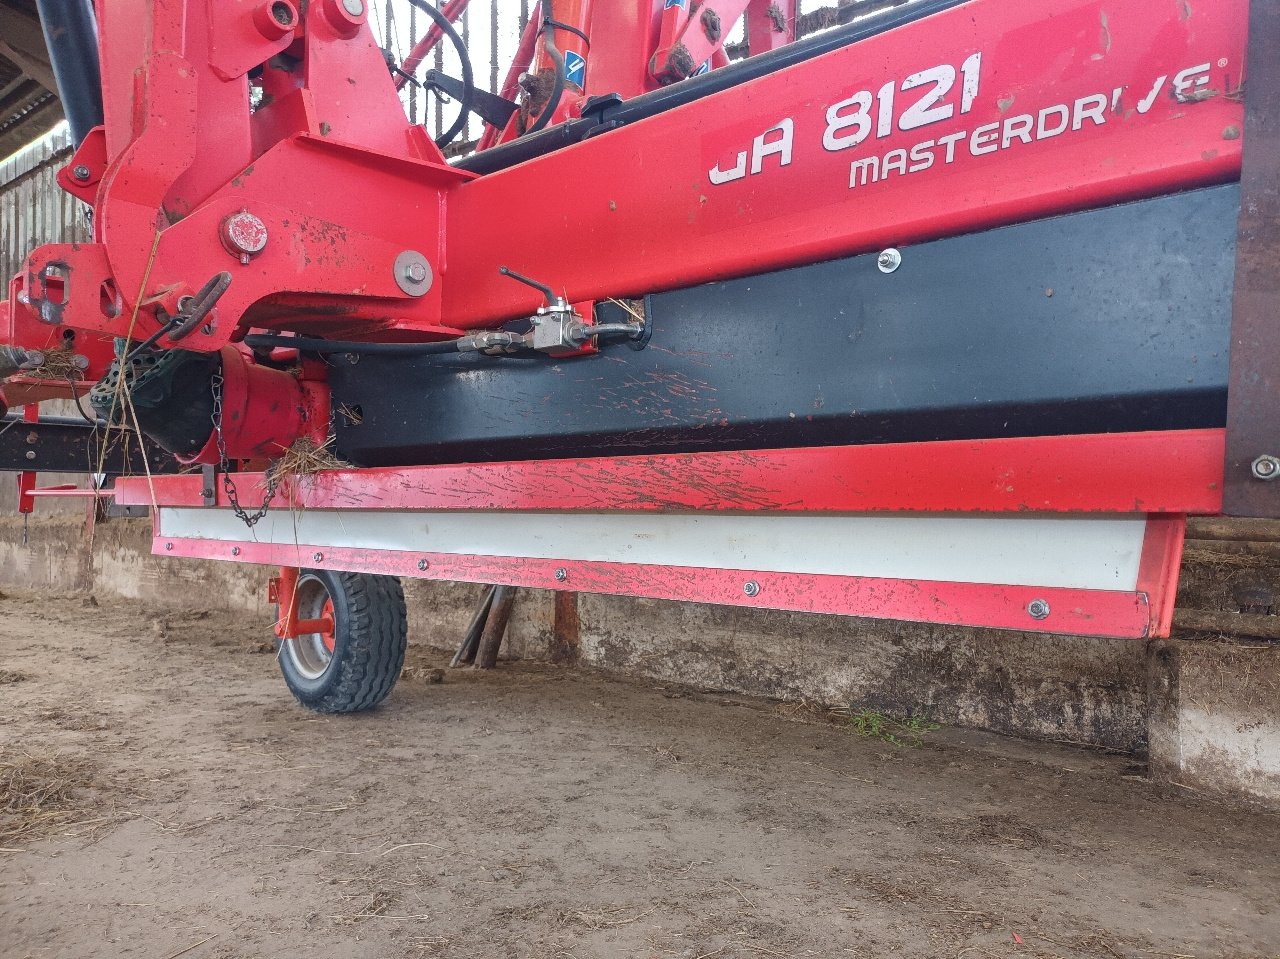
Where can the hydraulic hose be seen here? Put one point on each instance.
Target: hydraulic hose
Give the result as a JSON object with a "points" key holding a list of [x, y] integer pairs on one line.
{"points": [[499, 340], [549, 44], [468, 76]]}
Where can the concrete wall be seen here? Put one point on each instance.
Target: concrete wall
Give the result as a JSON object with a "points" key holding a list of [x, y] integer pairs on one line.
{"points": [[1205, 709], [1214, 725]]}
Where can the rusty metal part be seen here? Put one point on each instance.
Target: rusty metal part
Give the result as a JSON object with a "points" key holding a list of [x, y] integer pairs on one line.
{"points": [[62, 444], [1253, 397], [15, 358], [711, 25]]}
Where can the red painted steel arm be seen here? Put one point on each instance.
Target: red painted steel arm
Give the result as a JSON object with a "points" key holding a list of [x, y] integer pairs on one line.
{"points": [[770, 24]]}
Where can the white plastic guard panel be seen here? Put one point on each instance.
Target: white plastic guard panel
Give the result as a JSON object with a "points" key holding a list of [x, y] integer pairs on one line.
{"points": [[1081, 552]]}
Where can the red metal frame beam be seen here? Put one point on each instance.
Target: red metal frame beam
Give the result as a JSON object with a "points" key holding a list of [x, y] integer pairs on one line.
{"points": [[1159, 472], [1162, 475], [975, 135], [1079, 612]]}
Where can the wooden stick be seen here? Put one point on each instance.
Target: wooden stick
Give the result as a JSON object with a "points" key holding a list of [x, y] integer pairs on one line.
{"points": [[496, 627], [467, 649]]}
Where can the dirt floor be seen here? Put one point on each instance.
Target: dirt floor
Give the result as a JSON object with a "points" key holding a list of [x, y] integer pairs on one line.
{"points": [[161, 795]]}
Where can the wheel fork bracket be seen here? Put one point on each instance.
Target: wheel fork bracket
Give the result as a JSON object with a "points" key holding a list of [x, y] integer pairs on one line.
{"points": [[283, 591]]}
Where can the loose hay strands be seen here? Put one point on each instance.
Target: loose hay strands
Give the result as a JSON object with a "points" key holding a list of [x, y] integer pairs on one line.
{"points": [[636, 314], [59, 364], [306, 457], [43, 793]]}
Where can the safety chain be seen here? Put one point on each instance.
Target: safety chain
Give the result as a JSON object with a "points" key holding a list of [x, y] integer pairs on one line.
{"points": [[224, 464]]}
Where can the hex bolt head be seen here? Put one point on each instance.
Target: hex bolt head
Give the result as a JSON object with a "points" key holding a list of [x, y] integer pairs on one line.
{"points": [[412, 273], [423, 564], [751, 588], [317, 557], [168, 546], [354, 7], [562, 574], [889, 260], [31, 454], [235, 550], [1038, 609], [1266, 467], [80, 172]]}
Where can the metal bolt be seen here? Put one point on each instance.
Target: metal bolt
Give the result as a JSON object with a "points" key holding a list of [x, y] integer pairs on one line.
{"points": [[1266, 467], [562, 574], [889, 260], [80, 172], [412, 273], [31, 454], [354, 7], [168, 546], [235, 550], [423, 564], [206, 493], [244, 235], [751, 588], [1038, 609], [317, 557], [80, 361]]}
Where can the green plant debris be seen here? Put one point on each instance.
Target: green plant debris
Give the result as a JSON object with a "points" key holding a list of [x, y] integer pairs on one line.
{"points": [[876, 725]]}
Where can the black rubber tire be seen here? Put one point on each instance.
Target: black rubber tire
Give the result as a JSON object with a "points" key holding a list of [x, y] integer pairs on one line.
{"points": [[371, 631]]}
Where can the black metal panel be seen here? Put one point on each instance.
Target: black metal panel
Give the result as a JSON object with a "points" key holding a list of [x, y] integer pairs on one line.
{"points": [[1253, 413], [66, 445], [1104, 321]]}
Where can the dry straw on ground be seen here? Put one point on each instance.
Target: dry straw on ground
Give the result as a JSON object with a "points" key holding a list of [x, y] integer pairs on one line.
{"points": [[43, 794]]}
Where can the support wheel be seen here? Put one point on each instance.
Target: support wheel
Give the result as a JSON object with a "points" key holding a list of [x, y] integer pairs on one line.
{"points": [[354, 665]]}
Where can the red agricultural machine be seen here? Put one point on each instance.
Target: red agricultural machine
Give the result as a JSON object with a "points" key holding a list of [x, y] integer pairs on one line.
{"points": [[952, 311]]}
